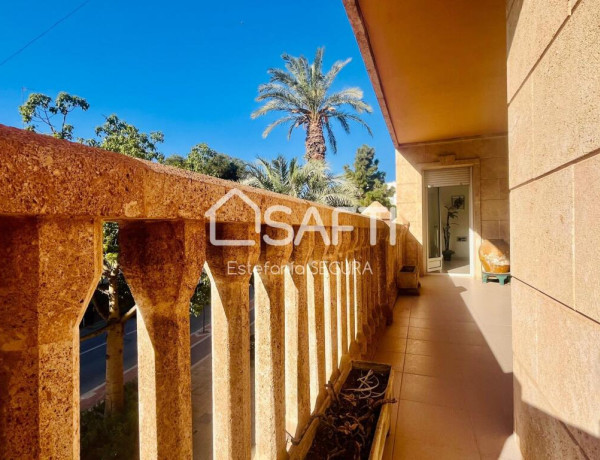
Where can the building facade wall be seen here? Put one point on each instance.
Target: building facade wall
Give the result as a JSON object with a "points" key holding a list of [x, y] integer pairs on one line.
{"points": [[488, 158], [554, 177]]}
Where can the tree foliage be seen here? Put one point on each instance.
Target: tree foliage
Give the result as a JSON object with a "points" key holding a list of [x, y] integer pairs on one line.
{"points": [[205, 160], [311, 181], [201, 296], [40, 108], [368, 179], [301, 92], [119, 136]]}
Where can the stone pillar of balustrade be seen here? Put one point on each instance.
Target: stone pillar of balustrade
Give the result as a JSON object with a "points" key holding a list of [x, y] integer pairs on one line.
{"points": [[361, 313], [383, 291], [269, 325], [376, 284], [162, 263], [368, 293], [392, 258], [330, 260], [372, 292], [229, 269], [297, 364], [342, 300], [353, 346], [316, 321], [50, 268]]}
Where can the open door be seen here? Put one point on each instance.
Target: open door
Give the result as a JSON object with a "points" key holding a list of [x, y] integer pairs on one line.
{"points": [[434, 251], [448, 243]]}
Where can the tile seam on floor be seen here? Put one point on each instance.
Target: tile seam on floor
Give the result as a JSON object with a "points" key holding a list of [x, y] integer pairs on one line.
{"points": [[400, 389]]}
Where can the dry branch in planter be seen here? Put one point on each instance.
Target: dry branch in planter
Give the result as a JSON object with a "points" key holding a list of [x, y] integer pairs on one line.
{"points": [[347, 428]]}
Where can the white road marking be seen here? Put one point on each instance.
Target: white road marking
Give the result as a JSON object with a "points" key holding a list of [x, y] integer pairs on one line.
{"points": [[104, 343]]}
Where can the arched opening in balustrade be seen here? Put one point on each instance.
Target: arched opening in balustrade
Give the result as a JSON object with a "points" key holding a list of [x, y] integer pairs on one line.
{"points": [[201, 368], [202, 365], [108, 361]]}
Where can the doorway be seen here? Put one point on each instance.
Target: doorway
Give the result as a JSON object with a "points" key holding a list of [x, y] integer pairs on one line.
{"points": [[448, 220]]}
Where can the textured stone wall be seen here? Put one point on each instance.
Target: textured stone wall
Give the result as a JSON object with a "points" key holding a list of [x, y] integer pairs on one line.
{"points": [[488, 158], [554, 141]]}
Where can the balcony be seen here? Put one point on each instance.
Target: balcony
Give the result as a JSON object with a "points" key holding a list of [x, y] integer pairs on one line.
{"points": [[309, 325]]}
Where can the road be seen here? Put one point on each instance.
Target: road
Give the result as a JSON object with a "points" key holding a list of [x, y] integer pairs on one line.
{"points": [[93, 351]]}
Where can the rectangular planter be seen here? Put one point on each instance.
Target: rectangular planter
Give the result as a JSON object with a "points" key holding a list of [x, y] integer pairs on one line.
{"points": [[382, 426], [407, 278]]}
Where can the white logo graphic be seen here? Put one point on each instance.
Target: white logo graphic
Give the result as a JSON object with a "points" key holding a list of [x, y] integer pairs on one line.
{"points": [[212, 214], [311, 214]]}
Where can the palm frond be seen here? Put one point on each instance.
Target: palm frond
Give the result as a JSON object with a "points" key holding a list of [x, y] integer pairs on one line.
{"points": [[343, 118], [349, 96], [334, 71], [273, 105], [330, 136], [278, 122]]}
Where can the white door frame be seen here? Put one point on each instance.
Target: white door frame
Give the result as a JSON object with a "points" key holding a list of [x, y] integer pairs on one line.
{"points": [[432, 264], [425, 215]]}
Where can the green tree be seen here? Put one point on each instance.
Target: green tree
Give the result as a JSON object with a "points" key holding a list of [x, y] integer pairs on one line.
{"points": [[311, 181], [204, 160], [302, 93], [176, 160], [368, 179], [201, 297], [40, 108], [119, 136]]}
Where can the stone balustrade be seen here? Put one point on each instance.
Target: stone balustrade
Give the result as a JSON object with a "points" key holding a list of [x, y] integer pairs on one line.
{"points": [[318, 304]]}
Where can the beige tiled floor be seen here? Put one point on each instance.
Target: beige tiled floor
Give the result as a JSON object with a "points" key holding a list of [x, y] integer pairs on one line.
{"points": [[451, 350]]}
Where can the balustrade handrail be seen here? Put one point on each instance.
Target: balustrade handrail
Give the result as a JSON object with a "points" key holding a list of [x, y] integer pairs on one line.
{"points": [[44, 176]]}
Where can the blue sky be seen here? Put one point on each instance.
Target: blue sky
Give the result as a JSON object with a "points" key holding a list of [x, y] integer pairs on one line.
{"points": [[188, 68]]}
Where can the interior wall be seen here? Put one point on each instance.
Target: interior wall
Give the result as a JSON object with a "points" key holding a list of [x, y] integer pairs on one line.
{"points": [[488, 158], [554, 143], [459, 227]]}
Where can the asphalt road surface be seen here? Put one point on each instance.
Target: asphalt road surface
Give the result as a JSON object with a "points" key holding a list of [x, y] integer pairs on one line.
{"points": [[93, 351]]}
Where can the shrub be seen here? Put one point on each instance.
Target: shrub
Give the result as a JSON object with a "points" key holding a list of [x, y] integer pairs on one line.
{"points": [[104, 438]]}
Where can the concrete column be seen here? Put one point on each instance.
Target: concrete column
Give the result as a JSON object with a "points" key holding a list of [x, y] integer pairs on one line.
{"points": [[342, 301], [376, 285], [353, 347], [269, 307], [361, 314], [330, 314], [229, 269], [392, 268], [366, 288], [383, 292], [297, 367], [370, 293], [316, 323], [162, 262], [50, 268]]}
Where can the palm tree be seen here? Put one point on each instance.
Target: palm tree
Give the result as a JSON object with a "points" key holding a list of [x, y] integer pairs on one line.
{"points": [[301, 91], [311, 181]]}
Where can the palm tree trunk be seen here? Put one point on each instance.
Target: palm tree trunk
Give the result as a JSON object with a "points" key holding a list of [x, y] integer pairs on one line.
{"points": [[114, 349], [315, 140]]}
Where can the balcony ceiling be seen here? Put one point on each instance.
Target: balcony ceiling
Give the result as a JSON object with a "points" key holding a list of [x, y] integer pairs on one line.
{"points": [[438, 66]]}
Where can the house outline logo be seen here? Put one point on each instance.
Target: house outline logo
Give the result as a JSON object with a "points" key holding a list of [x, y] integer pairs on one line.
{"points": [[211, 213]]}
